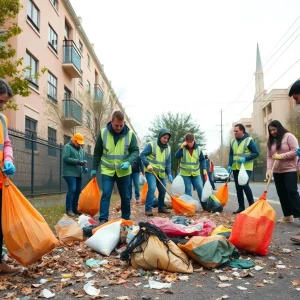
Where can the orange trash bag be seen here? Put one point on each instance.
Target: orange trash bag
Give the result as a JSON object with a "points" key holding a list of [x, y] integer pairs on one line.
{"points": [[144, 192], [26, 234], [222, 194], [89, 200], [253, 228], [182, 207]]}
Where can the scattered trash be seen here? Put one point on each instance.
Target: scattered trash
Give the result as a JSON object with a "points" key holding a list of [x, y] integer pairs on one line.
{"points": [[284, 250], [270, 273], [259, 285], [123, 298], [272, 257], [280, 267], [90, 290], [224, 278], [223, 285], [241, 288], [183, 278], [217, 271], [298, 289], [268, 281], [66, 275], [258, 268], [159, 285], [42, 281], [223, 297], [46, 294], [236, 274], [96, 262], [89, 275]]}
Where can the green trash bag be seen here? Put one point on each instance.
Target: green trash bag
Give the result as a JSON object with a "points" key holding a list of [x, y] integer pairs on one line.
{"points": [[213, 204]]}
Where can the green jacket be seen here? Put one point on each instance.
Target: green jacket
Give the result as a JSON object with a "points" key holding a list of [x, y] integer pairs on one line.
{"points": [[71, 155]]}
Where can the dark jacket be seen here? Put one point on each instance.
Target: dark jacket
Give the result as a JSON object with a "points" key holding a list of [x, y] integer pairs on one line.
{"points": [[252, 148], [71, 155], [148, 150], [133, 147], [179, 154], [137, 166]]}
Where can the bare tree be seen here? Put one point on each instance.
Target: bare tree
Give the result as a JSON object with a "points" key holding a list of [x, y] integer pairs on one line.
{"points": [[293, 123]]}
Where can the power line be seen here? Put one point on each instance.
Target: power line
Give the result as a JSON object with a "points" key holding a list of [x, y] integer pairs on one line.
{"points": [[270, 86], [243, 90]]}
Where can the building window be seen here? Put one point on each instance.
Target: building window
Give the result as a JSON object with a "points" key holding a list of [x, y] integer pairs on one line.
{"points": [[80, 46], [67, 31], [89, 149], [52, 38], [67, 94], [52, 87], [67, 139], [81, 78], [88, 87], [33, 14], [30, 133], [54, 3], [51, 141], [88, 119], [88, 61], [32, 69]]}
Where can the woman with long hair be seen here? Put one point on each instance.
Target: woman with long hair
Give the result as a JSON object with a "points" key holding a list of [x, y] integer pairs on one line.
{"points": [[282, 147]]}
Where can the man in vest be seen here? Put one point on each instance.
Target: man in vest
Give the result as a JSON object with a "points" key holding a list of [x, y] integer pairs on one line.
{"points": [[157, 158], [116, 148], [242, 150], [191, 157]]}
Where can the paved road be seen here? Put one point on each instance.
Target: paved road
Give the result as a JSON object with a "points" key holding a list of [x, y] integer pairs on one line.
{"points": [[257, 189]]}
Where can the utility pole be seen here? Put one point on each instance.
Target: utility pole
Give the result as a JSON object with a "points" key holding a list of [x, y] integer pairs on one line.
{"points": [[222, 138]]}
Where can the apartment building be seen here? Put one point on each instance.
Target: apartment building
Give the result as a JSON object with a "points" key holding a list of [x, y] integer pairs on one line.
{"points": [[247, 122], [63, 99]]}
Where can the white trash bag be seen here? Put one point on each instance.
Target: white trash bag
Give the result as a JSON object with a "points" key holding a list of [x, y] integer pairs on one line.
{"points": [[142, 180], [243, 177], [207, 191], [105, 239], [191, 200], [178, 187]]}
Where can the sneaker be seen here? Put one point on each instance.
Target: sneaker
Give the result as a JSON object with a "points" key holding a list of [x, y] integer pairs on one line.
{"points": [[288, 219], [238, 211], [6, 270], [149, 213], [70, 214], [163, 210]]}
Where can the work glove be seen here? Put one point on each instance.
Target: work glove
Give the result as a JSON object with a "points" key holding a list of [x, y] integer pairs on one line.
{"points": [[204, 172], [183, 144], [276, 156], [229, 169], [268, 175], [170, 177], [9, 168], [85, 170], [81, 163], [241, 160], [150, 168], [93, 173], [125, 165], [298, 152]]}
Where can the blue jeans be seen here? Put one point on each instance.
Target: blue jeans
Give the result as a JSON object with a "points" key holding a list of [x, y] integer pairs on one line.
{"points": [[196, 181], [107, 188], [152, 184], [74, 190], [135, 179], [240, 189]]}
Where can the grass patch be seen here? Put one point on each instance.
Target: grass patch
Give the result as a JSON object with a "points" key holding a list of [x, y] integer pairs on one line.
{"points": [[54, 213]]}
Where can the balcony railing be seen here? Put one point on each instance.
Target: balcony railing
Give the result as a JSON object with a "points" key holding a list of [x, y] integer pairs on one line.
{"points": [[98, 94], [72, 113], [71, 59]]}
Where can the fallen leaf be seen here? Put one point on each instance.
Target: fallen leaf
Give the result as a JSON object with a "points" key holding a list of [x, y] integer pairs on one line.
{"points": [[36, 285], [223, 285], [79, 274], [296, 282], [223, 278], [3, 287], [259, 284], [123, 298], [9, 295], [26, 291]]}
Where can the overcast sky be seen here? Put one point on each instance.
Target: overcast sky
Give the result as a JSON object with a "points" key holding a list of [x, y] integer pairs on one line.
{"points": [[197, 54]]}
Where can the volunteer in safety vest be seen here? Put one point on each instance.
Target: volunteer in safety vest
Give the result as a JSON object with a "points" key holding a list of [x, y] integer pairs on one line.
{"points": [[242, 150], [7, 165], [191, 157], [157, 158], [116, 148]]}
